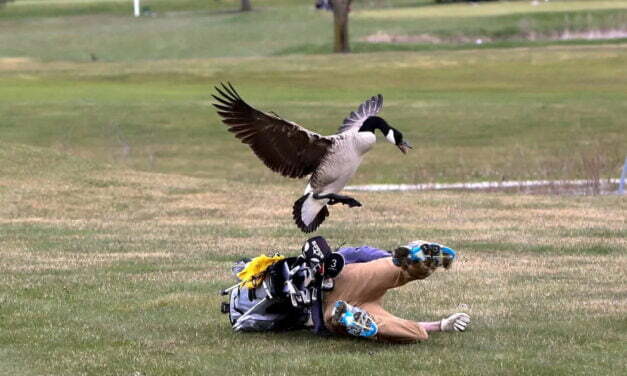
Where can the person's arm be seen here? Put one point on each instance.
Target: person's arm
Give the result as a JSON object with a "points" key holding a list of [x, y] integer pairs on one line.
{"points": [[432, 326]]}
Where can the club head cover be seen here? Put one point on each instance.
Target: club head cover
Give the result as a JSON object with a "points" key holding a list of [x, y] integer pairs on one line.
{"points": [[333, 265], [315, 250]]}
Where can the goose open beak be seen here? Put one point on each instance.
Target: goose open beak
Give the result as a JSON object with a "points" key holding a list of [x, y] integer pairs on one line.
{"points": [[404, 146]]}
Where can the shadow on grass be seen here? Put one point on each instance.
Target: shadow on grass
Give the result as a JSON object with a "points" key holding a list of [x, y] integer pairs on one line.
{"points": [[348, 344]]}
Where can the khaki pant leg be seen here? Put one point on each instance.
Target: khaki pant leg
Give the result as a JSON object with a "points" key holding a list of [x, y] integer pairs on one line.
{"points": [[363, 283], [394, 329]]}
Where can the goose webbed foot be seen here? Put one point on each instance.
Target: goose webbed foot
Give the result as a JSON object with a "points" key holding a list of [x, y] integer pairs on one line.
{"points": [[338, 199], [351, 202]]}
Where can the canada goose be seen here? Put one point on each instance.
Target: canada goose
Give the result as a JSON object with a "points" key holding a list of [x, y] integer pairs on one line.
{"points": [[295, 152]]}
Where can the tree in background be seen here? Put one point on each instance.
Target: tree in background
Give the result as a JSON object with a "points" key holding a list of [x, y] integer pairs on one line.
{"points": [[2, 2], [341, 8], [246, 6]]}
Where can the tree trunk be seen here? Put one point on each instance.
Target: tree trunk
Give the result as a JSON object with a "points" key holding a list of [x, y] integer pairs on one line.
{"points": [[340, 20], [246, 6]]}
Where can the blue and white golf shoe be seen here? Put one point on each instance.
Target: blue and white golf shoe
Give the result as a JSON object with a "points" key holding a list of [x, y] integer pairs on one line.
{"points": [[421, 251], [357, 322]]}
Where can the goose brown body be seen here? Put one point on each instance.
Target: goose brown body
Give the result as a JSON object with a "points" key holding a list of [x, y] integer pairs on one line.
{"points": [[294, 151]]}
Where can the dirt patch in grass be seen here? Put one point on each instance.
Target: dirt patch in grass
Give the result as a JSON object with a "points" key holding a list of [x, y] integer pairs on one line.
{"points": [[14, 62]]}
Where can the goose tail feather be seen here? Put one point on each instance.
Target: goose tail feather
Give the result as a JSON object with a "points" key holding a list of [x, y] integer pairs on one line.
{"points": [[309, 213]]}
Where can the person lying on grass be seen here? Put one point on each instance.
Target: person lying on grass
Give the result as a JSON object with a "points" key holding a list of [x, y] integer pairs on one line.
{"points": [[354, 306], [337, 292]]}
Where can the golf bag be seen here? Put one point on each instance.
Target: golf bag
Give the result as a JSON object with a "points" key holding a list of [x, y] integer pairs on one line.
{"points": [[288, 292]]}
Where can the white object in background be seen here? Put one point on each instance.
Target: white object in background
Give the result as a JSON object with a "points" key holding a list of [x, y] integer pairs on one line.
{"points": [[623, 176], [136, 10], [470, 186]]}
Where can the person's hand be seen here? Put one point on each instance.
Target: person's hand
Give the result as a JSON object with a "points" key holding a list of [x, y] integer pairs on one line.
{"points": [[457, 322]]}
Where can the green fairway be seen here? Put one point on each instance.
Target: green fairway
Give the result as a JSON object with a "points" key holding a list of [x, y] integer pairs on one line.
{"points": [[492, 9], [124, 201], [279, 27], [473, 115]]}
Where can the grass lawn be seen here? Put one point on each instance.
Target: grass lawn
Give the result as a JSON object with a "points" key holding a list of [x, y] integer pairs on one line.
{"points": [[279, 27], [472, 115], [491, 9], [124, 202], [108, 270]]}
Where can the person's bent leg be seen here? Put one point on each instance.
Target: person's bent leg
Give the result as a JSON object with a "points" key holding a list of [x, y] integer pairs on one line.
{"points": [[395, 329], [373, 322], [367, 282], [362, 282]]}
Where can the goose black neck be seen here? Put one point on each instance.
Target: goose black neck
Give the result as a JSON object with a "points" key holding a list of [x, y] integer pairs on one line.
{"points": [[375, 122]]}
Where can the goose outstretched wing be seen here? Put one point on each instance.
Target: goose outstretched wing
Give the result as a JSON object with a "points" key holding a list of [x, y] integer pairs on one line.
{"points": [[285, 147], [369, 108]]}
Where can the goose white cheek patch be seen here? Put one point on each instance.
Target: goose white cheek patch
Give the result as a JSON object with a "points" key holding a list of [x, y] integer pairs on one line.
{"points": [[390, 137]]}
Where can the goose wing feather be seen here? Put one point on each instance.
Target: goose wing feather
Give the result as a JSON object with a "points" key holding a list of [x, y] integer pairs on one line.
{"points": [[369, 108], [284, 146]]}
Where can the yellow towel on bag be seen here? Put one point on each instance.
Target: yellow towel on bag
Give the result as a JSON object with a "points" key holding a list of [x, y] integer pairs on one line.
{"points": [[254, 272]]}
